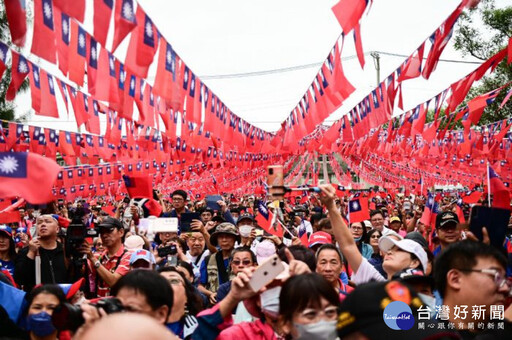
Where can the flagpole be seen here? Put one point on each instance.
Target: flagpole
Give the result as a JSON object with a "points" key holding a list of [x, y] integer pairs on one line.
{"points": [[488, 185]]}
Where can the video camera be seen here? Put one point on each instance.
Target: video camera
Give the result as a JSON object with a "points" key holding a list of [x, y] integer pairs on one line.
{"points": [[168, 250], [76, 234], [69, 317]]}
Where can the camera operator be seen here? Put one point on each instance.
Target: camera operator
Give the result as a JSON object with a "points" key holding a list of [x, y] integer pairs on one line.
{"points": [[54, 266], [114, 262]]}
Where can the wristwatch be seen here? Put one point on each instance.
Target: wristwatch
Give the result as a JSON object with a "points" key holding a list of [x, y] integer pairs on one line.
{"points": [[97, 264]]}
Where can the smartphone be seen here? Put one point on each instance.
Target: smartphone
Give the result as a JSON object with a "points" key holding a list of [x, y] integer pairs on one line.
{"points": [[266, 272], [275, 181], [211, 202], [186, 219], [495, 220]]}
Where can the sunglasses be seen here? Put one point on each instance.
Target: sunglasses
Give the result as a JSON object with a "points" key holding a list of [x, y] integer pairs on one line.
{"points": [[244, 262], [376, 236]]}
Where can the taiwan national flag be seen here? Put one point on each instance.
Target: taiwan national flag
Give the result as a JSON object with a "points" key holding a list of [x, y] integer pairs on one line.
{"points": [[431, 210], [3, 58], [43, 42], [20, 70], [138, 186], [265, 219], [27, 175], [358, 209], [500, 193], [125, 21]]}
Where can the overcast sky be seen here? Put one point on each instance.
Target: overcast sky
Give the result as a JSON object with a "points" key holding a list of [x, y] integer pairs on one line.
{"points": [[219, 38]]}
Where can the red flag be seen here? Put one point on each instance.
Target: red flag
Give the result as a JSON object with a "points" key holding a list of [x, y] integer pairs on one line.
{"points": [[62, 30], [102, 15], [348, 13], [27, 175], [154, 208], [472, 198], [138, 186], [412, 67], [92, 65], [500, 193], [20, 70], [143, 45], [359, 44], [77, 53], [125, 21], [358, 209], [17, 19], [342, 84], [43, 41], [166, 71], [48, 101], [10, 217], [74, 9], [35, 88], [429, 215]]}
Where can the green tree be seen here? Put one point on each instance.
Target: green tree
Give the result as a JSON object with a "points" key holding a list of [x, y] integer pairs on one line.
{"points": [[484, 43], [7, 109]]}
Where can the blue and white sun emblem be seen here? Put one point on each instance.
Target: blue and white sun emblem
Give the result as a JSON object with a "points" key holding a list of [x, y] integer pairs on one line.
{"points": [[149, 29], [47, 9], [8, 164], [355, 205]]}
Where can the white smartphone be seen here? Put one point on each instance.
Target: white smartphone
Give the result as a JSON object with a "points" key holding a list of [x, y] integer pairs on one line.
{"points": [[266, 272]]}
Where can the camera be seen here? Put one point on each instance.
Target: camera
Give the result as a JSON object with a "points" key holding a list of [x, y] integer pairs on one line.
{"points": [[69, 317], [76, 234], [168, 250]]}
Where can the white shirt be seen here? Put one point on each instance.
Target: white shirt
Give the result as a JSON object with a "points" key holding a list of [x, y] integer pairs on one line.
{"points": [[366, 273]]}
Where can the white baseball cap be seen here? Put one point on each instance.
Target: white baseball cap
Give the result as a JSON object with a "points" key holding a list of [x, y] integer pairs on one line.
{"points": [[410, 246]]}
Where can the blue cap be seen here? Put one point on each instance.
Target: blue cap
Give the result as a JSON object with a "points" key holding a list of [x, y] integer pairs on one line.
{"points": [[6, 229], [142, 254]]}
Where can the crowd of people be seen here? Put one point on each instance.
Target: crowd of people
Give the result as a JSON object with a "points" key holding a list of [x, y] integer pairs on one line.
{"points": [[69, 269]]}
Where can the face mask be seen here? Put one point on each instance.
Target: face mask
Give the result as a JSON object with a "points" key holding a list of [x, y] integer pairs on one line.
{"points": [[357, 239], [430, 301], [322, 330], [41, 324], [270, 301], [245, 230]]}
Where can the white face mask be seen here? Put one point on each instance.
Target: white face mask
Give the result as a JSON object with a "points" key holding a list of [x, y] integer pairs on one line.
{"points": [[245, 230], [430, 301], [322, 330], [270, 301]]}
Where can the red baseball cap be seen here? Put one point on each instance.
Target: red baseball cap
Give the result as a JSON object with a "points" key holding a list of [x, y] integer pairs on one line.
{"points": [[320, 237]]}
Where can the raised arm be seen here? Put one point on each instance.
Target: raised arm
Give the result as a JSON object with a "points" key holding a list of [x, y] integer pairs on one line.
{"points": [[341, 232]]}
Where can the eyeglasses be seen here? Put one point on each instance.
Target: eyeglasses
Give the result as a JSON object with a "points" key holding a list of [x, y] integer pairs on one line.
{"points": [[178, 199], [499, 279], [356, 228], [314, 314], [244, 262]]}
